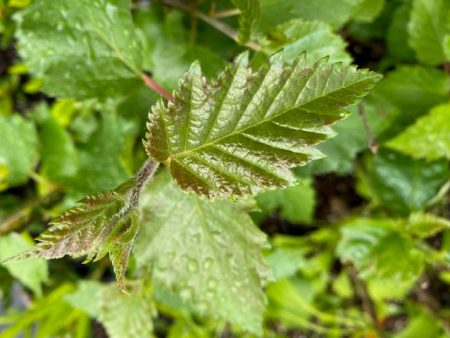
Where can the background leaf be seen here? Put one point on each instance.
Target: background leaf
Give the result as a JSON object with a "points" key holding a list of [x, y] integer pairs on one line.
{"points": [[403, 184], [427, 28], [126, 315], [96, 36], [315, 38], [295, 204], [31, 273], [18, 151], [249, 16], [414, 89], [381, 255], [428, 137]]}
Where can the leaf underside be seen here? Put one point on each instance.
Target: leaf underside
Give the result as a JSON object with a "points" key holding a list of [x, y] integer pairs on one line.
{"points": [[94, 228], [242, 133]]}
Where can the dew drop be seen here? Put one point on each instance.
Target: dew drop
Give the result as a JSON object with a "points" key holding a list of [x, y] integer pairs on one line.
{"points": [[192, 265], [207, 263], [212, 283], [186, 294]]}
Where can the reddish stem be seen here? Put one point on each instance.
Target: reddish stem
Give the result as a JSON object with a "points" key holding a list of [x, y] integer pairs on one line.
{"points": [[157, 88]]}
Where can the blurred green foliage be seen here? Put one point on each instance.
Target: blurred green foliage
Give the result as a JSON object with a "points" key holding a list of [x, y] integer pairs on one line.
{"points": [[359, 247]]}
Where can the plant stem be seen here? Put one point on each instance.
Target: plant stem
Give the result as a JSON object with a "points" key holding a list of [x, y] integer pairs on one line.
{"points": [[144, 174], [372, 142], [219, 25], [157, 88]]}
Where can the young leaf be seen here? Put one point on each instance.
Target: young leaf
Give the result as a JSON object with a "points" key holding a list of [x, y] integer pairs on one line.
{"points": [[126, 315], [317, 38], [97, 226], [97, 36], [249, 16], [242, 133], [206, 253], [428, 138], [427, 28]]}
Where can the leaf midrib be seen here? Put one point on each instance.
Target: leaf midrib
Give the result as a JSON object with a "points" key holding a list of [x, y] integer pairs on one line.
{"points": [[239, 131]]}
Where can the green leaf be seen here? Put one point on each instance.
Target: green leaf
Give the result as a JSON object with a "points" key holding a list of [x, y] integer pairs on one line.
{"points": [[296, 203], [101, 164], [31, 273], [208, 254], [168, 51], [335, 13], [250, 11], [368, 10], [421, 324], [340, 151], [315, 38], [414, 89], [425, 225], [242, 133], [127, 315], [427, 28], [397, 35], [58, 153], [97, 226], [18, 150], [274, 12], [285, 261], [403, 184], [428, 137], [51, 312], [381, 254], [86, 297], [81, 49]]}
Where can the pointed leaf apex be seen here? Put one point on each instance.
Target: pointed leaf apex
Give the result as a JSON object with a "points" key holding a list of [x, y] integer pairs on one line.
{"points": [[242, 59], [195, 69]]}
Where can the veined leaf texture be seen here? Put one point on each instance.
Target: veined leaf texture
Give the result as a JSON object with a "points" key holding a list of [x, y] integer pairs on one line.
{"points": [[242, 133]]}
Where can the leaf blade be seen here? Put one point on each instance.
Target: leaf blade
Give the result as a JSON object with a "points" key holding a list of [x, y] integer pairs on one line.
{"points": [[98, 38], [189, 242], [242, 133]]}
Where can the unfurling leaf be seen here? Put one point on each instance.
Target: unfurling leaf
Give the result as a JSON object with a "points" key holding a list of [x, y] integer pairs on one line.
{"points": [[207, 254], [243, 132], [250, 11], [97, 226]]}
